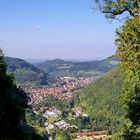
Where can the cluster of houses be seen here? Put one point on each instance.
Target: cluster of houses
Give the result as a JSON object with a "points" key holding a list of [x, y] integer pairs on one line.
{"points": [[38, 94], [65, 91], [73, 82]]}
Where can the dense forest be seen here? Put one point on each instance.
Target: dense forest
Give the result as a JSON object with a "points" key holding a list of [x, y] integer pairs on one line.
{"points": [[101, 101], [27, 74]]}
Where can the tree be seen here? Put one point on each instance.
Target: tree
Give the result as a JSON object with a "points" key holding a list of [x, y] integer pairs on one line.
{"points": [[113, 8], [13, 102], [128, 43]]}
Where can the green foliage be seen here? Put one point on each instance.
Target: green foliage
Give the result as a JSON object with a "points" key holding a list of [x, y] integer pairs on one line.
{"points": [[82, 123], [34, 119], [108, 64], [13, 102], [63, 135], [35, 127], [25, 73], [128, 42], [100, 100], [52, 101], [53, 120], [129, 52], [112, 8]]}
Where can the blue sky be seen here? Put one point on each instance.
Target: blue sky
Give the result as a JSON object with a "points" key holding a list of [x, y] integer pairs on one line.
{"points": [[48, 29]]}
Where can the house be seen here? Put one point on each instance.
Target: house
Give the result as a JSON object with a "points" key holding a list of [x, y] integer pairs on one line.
{"points": [[50, 114], [62, 124]]}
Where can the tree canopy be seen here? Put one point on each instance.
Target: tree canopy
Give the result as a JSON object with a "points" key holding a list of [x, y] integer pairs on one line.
{"points": [[128, 42], [13, 102], [112, 8]]}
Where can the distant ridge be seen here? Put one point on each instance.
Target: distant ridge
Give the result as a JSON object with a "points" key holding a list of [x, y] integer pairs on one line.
{"points": [[61, 66]]}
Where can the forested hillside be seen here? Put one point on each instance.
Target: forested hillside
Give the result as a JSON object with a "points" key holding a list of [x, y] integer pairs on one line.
{"points": [[107, 64], [25, 73], [101, 102], [62, 67], [14, 102]]}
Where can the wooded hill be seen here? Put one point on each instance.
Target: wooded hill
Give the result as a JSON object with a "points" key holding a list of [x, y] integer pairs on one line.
{"points": [[64, 68], [101, 101], [27, 74]]}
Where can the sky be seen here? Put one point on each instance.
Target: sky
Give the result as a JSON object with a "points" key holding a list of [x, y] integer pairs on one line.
{"points": [[49, 29]]}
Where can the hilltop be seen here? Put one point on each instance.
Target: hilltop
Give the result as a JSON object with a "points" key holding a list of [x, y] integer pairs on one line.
{"points": [[108, 64], [27, 74]]}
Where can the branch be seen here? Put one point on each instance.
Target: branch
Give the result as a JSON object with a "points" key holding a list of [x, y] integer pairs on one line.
{"points": [[115, 13]]}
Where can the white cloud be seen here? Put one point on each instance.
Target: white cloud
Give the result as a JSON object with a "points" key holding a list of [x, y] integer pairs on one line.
{"points": [[37, 26]]}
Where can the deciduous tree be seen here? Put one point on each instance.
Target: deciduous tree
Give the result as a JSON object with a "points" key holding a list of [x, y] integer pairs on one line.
{"points": [[128, 43], [113, 8]]}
